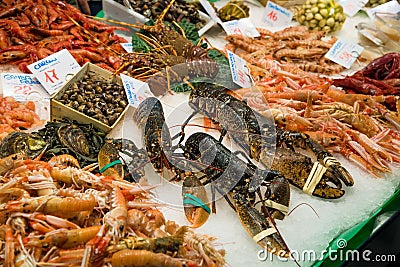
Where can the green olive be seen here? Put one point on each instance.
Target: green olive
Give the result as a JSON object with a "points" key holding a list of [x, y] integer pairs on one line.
{"points": [[301, 19], [309, 16], [330, 22], [314, 9], [322, 23], [326, 29], [324, 12], [318, 16]]}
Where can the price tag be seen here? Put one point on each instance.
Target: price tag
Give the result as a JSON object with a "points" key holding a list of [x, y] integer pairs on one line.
{"points": [[239, 70], [242, 26], [391, 7], [22, 86], [276, 16], [127, 46], [232, 27], [54, 70], [136, 91], [344, 53], [351, 7], [210, 11]]}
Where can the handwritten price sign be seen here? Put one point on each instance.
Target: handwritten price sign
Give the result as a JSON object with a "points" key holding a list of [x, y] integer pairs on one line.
{"points": [[277, 16], [54, 70], [21, 86], [128, 47], [240, 72], [351, 7], [136, 90], [241, 26], [344, 53]]}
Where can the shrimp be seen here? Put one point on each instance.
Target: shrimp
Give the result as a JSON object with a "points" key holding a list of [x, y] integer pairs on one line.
{"points": [[138, 258]]}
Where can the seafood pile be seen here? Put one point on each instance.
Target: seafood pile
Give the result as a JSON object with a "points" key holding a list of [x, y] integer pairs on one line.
{"points": [[83, 141], [168, 56], [295, 46], [96, 97], [379, 77], [358, 126], [180, 10], [16, 116], [56, 213], [32, 30]]}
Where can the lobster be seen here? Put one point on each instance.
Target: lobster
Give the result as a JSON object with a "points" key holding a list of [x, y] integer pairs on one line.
{"points": [[234, 179], [256, 135]]}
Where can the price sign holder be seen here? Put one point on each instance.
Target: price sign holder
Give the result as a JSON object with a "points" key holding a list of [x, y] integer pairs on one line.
{"points": [[239, 70], [276, 17], [22, 87], [54, 70], [344, 53], [136, 90]]}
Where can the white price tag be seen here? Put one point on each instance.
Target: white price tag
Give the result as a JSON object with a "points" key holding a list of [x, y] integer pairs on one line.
{"points": [[210, 11], [22, 86], [242, 27], [136, 91], [54, 70], [391, 7], [239, 70], [276, 16], [344, 53], [351, 7], [231, 27], [127, 46]]}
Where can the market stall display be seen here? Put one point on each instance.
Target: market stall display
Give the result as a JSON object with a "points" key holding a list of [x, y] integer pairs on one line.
{"points": [[127, 161]]}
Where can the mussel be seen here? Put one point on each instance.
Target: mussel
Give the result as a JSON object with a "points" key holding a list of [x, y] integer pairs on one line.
{"points": [[27, 144], [74, 138]]}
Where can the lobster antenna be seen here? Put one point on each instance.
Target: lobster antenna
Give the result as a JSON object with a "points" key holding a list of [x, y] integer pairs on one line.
{"points": [[298, 205], [162, 15]]}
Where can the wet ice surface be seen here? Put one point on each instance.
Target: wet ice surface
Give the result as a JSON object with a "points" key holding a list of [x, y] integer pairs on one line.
{"points": [[302, 230]]}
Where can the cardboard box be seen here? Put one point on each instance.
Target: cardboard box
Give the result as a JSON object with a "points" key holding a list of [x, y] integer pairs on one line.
{"points": [[59, 110]]}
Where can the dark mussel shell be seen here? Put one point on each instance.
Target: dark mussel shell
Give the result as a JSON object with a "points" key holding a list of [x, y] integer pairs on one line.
{"points": [[74, 138], [27, 144]]}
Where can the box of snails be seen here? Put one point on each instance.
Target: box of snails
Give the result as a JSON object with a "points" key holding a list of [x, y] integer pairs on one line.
{"points": [[93, 95]]}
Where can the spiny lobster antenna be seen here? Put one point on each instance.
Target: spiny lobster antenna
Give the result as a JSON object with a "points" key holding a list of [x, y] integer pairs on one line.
{"points": [[162, 15]]}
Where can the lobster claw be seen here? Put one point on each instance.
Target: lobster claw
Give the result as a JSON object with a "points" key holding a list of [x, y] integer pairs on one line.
{"points": [[278, 198], [313, 178], [338, 170], [261, 229], [195, 201]]}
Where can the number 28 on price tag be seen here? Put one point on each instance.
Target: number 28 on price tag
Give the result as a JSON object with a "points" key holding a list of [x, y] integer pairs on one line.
{"points": [[277, 16]]}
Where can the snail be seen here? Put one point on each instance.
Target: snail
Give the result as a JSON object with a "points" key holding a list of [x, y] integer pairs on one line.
{"points": [[98, 98]]}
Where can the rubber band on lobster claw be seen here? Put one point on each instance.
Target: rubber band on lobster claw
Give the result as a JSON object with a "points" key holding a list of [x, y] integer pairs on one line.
{"points": [[262, 231], [313, 178]]}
